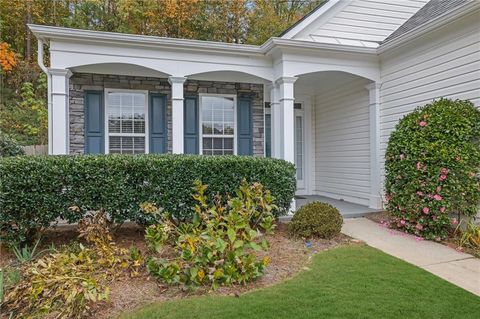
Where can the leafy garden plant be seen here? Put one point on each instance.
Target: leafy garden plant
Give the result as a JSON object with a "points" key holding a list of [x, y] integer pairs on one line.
{"points": [[432, 168], [221, 243]]}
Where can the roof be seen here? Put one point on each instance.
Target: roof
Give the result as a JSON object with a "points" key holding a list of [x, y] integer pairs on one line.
{"points": [[303, 18], [432, 10]]}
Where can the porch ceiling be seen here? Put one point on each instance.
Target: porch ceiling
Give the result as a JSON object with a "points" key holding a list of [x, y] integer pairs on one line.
{"points": [[321, 82]]}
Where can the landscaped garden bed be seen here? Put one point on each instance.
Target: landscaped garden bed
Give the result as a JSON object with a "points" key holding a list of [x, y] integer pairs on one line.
{"points": [[453, 238], [288, 256]]}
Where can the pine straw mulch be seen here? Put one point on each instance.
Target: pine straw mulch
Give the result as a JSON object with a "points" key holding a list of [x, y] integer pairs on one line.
{"points": [[287, 257], [384, 219]]}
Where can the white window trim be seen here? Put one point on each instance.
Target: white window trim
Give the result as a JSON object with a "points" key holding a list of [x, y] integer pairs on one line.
{"points": [[200, 126], [107, 134]]}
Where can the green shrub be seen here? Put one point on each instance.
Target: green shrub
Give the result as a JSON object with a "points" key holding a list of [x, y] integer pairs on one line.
{"points": [[316, 219], [9, 147], [36, 190], [432, 162], [218, 246]]}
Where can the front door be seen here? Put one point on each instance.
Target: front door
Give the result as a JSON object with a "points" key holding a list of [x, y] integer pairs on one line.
{"points": [[300, 145]]}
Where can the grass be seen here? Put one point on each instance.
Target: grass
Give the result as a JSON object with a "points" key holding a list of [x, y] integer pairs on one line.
{"points": [[347, 282]]}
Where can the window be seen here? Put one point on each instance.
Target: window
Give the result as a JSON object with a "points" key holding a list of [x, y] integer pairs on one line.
{"points": [[217, 122], [126, 113]]}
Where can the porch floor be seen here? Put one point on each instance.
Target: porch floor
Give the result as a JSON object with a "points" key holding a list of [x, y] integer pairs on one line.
{"points": [[348, 210]]}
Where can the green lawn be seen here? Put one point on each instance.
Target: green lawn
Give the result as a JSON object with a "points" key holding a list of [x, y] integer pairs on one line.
{"points": [[348, 282]]}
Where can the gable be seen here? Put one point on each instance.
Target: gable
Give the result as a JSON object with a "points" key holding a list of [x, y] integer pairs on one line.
{"points": [[363, 23]]}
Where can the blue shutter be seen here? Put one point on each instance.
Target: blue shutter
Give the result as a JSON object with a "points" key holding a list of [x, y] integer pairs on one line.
{"points": [[244, 127], [268, 135], [190, 123], [94, 123], [157, 114]]}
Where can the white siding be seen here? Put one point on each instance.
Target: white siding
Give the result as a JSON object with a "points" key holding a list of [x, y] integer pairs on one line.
{"points": [[362, 22], [342, 150], [442, 64]]}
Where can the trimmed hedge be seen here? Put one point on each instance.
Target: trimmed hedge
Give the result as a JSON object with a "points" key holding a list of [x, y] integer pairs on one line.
{"points": [[36, 190], [432, 165]]}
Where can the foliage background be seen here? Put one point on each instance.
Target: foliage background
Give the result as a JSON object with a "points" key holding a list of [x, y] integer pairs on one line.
{"points": [[23, 114]]}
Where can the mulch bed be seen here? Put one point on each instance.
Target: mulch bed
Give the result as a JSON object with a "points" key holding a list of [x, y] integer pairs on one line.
{"points": [[287, 257], [384, 219]]}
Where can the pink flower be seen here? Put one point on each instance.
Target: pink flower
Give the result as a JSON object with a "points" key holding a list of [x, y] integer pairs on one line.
{"points": [[434, 217], [442, 209], [402, 222], [437, 197], [419, 193], [430, 196], [422, 123], [419, 165], [439, 188], [442, 177], [454, 221], [388, 197], [419, 226], [444, 171], [426, 210], [402, 156]]}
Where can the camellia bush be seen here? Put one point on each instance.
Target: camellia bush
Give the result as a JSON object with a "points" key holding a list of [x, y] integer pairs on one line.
{"points": [[432, 168], [36, 191]]}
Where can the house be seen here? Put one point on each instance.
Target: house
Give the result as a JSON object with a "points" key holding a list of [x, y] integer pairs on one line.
{"points": [[324, 95]]}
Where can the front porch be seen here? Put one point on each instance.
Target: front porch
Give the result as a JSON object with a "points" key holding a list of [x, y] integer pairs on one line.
{"points": [[347, 209], [323, 112]]}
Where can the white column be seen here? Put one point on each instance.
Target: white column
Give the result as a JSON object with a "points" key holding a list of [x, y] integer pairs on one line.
{"points": [[286, 99], [177, 113], [59, 118], [276, 121], [374, 112]]}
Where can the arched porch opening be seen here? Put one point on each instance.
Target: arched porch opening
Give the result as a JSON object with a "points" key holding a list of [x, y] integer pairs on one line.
{"points": [[336, 136]]}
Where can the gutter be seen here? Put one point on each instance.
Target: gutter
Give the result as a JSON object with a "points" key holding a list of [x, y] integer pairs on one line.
{"points": [[273, 43], [50, 32], [432, 25], [49, 89], [53, 33]]}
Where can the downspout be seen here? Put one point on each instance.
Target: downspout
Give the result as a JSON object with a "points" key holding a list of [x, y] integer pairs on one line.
{"points": [[49, 95]]}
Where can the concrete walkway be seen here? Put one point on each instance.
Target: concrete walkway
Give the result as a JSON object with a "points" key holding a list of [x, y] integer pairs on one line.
{"points": [[458, 268]]}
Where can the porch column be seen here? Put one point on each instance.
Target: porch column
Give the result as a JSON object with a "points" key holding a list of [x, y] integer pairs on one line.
{"points": [[286, 99], [374, 113], [275, 118], [177, 113], [58, 118]]}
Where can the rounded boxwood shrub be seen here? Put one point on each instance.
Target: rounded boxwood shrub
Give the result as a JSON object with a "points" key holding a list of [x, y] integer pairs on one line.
{"points": [[9, 147], [316, 219], [432, 165], [37, 190]]}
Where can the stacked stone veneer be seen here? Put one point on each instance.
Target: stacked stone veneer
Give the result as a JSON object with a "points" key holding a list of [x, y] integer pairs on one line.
{"points": [[81, 82]]}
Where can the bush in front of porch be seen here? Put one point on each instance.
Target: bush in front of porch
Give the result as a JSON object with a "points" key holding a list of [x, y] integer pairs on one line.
{"points": [[37, 190], [432, 166]]}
